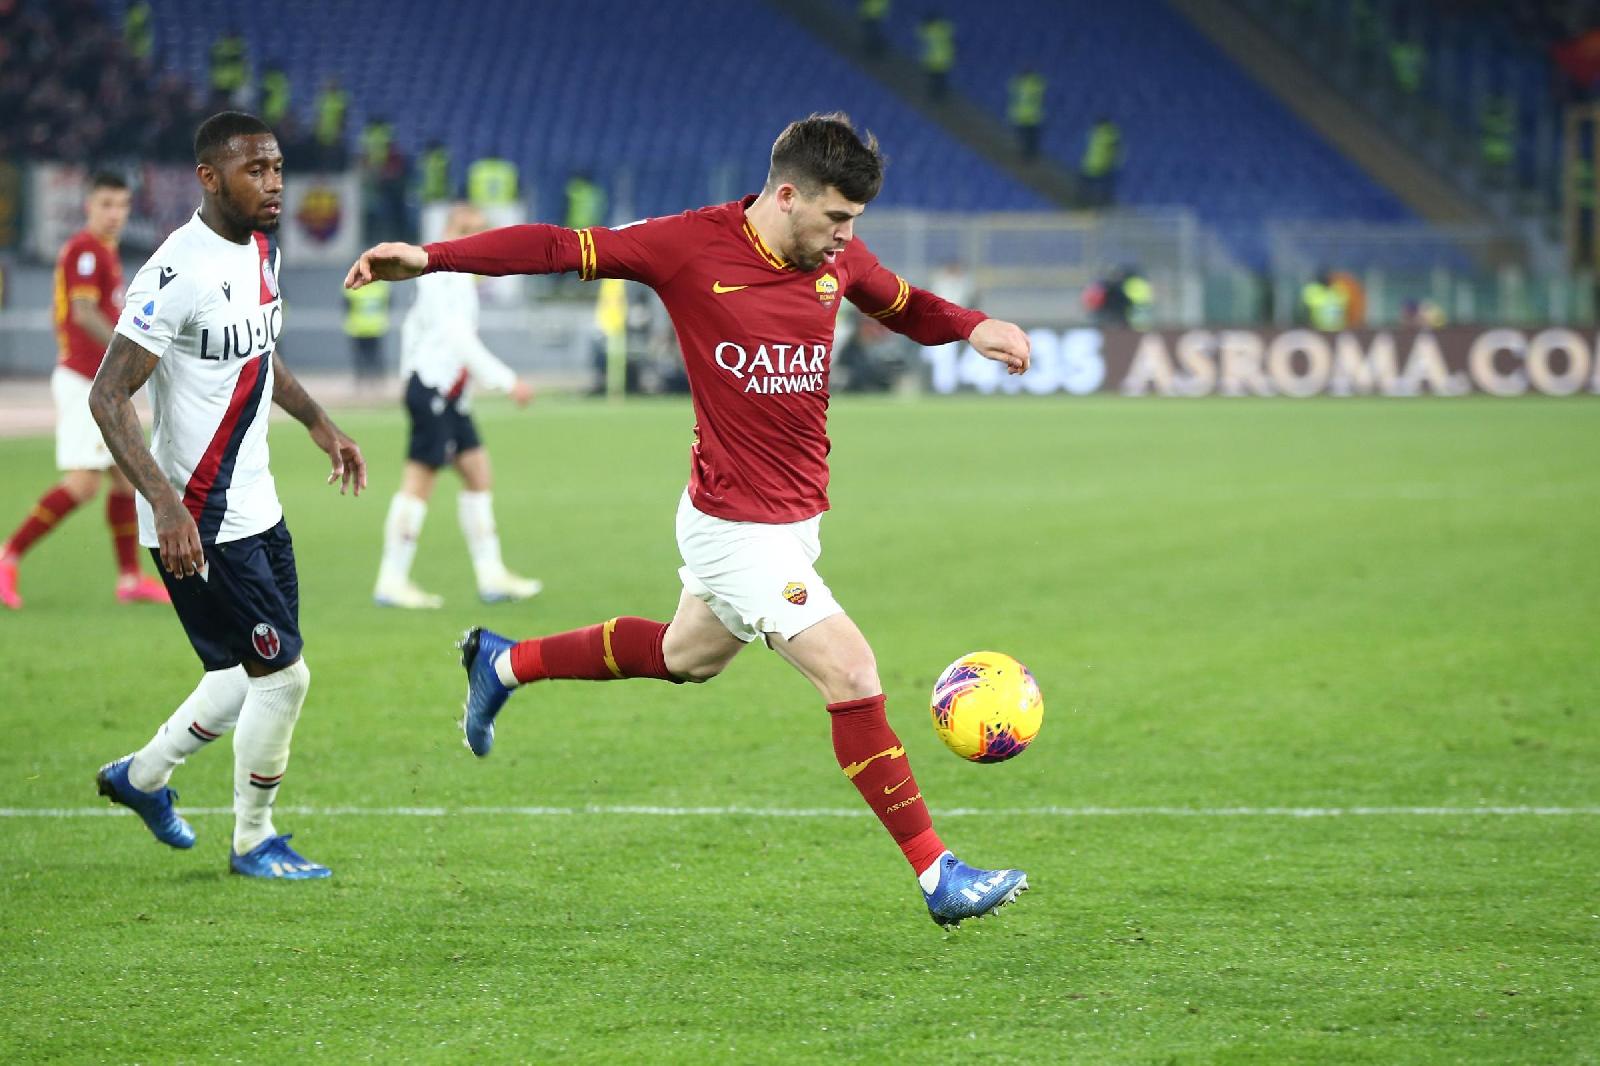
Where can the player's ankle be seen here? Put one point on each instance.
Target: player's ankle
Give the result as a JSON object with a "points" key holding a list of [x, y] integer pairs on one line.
{"points": [[502, 668]]}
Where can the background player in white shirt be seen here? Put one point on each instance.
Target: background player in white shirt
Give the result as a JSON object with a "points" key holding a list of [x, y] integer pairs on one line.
{"points": [[441, 359], [201, 325]]}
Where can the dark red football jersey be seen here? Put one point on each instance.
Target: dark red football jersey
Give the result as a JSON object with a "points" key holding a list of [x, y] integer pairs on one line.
{"points": [[87, 268], [756, 335]]}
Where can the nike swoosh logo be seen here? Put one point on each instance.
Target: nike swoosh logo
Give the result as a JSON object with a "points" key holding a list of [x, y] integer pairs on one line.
{"points": [[719, 287], [856, 767], [887, 791]]}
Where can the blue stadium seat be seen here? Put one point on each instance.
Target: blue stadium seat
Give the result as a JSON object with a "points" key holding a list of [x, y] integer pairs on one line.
{"points": [[674, 95]]}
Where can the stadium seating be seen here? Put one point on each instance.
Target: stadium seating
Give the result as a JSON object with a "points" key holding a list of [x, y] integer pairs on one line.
{"points": [[672, 105], [1167, 86]]}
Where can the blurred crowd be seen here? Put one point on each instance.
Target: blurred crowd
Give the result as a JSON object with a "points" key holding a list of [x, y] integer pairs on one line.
{"points": [[73, 90]]}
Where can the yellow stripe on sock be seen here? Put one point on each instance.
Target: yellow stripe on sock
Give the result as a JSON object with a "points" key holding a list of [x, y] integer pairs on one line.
{"points": [[855, 768], [605, 640]]}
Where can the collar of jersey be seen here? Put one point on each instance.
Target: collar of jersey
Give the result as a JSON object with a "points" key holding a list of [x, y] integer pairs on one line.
{"points": [[768, 256]]}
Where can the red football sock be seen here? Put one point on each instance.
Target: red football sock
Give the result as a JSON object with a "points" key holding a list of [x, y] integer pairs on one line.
{"points": [[622, 647], [872, 758], [52, 507], [123, 519]]}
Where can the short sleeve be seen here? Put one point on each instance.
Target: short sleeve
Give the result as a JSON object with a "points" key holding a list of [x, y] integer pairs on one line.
{"points": [[155, 313], [84, 272]]}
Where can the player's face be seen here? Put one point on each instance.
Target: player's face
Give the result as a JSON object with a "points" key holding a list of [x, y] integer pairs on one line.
{"points": [[249, 182], [106, 212], [819, 226]]}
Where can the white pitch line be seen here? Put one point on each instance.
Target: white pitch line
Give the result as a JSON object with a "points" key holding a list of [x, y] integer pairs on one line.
{"points": [[848, 812]]}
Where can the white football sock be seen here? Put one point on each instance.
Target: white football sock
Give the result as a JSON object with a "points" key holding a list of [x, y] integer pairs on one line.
{"points": [[261, 750], [929, 878], [502, 668], [476, 511], [400, 532], [208, 712]]}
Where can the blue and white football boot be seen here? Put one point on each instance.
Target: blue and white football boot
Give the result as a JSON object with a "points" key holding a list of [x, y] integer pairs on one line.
{"points": [[156, 808], [964, 892], [274, 860], [486, 693]]}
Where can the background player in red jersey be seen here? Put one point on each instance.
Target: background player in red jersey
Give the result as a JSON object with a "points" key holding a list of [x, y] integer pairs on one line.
{"points": [[753, 288], [88, 299]]}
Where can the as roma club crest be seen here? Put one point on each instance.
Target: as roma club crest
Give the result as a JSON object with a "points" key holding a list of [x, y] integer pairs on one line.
{"points": [[827, 288], [320, 213], [795, 592], [266, 641]]}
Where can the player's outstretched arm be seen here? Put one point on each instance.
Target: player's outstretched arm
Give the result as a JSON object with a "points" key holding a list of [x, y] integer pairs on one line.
{"points": [[349, 468], [390, 261], [1004, 342], [123, 372]]}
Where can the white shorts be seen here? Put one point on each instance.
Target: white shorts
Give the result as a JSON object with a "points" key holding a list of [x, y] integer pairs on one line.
{"points": [[78, 442], [756, 577]]}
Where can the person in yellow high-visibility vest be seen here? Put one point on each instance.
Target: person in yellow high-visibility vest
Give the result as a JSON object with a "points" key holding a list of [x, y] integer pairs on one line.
{"points": [[1102, 159], [329, 109], [1326, 304], [434, 169], [873, 15], [366, 323], [275, 95], [137, 36], [230, 64], [611, 324], [586, 202], [1026, 111], [492, 182], [938, 37]]}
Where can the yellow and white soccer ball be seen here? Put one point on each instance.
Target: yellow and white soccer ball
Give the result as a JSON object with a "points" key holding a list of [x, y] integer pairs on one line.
{"points": [[987, 707]]}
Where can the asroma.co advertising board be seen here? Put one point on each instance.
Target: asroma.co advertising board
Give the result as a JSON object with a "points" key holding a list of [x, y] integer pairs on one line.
{"points": [[1456, 361]]}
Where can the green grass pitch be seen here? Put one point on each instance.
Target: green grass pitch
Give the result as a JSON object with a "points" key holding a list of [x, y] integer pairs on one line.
{"points": [[1380, 614]]}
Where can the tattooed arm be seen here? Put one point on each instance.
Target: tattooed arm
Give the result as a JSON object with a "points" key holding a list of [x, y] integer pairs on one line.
{"points": [[123, 372], [349, 468]]}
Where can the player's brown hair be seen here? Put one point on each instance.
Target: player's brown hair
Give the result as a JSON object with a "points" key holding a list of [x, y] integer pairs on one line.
{"points": [[107, 179], [822, 150]]}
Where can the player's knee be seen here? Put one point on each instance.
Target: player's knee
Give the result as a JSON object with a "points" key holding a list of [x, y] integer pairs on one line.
{"points": [[82, 485], [858, 679], [296, 678]]}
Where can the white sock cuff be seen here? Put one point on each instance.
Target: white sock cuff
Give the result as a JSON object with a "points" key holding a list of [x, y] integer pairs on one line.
{"points": [[281, 686], [408, 511], [224, 690], [476, 509]]}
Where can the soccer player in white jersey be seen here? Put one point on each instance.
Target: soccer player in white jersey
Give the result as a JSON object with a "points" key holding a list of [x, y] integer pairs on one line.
{"points": [[201, 325], [441, 359]]}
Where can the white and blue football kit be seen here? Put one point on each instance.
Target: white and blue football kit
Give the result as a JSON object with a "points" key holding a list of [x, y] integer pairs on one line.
{"points": [[211, 311]]}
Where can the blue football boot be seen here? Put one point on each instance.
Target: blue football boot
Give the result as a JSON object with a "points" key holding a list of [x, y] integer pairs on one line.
{"points": [[275, 860], [964, 892], [156, 808], [486, 693]]}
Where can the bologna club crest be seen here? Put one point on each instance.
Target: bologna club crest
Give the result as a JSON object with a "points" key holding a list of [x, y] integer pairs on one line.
{"points": [[795, 593], [266, 641]]}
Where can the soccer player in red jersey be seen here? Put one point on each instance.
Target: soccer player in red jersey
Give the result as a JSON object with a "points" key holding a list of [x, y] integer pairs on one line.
{"points": [[753, 288], [88, 299]]}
